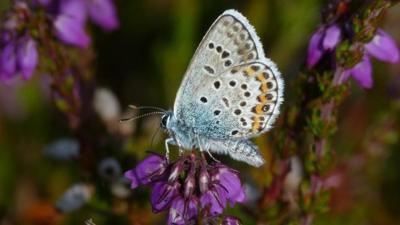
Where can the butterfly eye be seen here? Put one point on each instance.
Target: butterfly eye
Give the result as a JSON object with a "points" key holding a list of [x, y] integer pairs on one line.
{"points": [[164, 120]]}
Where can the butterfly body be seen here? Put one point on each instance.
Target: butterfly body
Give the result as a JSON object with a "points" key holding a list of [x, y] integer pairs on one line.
{"points": [[230, 93]]}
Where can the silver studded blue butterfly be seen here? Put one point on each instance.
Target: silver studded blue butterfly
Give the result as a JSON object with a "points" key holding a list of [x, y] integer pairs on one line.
{"points": [[230, 93]]}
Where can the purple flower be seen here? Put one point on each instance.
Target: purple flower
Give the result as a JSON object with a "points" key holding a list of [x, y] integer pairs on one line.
{"points": [[71, 31], [182, 211], [8, 61], [147, 171], [230, 220], [323, 40], [71, 17], [382, 47], [188, 186], [213, 201], [18, 56], [27, 56], [103, 13], [229, 180], [75, 9], [163, 194], [362, 72]]}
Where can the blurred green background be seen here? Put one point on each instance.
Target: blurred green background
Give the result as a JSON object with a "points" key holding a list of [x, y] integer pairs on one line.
{"points": [[142, 63]]}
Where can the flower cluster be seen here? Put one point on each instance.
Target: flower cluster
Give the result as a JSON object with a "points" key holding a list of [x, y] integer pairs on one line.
{"points": [[70, 16], [382, 47], [18, 52], [66, 19], [189, 188]]}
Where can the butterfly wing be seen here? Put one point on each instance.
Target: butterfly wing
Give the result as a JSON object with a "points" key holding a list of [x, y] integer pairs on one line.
{"points": [[230, 90]]}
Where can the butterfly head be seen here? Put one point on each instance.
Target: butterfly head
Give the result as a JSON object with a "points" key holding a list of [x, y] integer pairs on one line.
{"points": [[165, 120]]}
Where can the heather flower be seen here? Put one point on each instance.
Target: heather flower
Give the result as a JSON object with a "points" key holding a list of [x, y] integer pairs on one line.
{"points": [[102, 13], [163, 194], [227, 177], [182, 211], [71, 31], [323, 40], [230, 220], [147, 171], [8, 61], [188, 187], [18, 57], [27, 56], [382, 47], [71, 17]]}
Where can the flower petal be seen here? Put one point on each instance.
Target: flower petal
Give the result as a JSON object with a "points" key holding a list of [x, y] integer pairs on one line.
{"points": [[231, 183], [362, 73], [176, 214], [103, 13], [383, 47], [210, 200], [162, 195], [43, 2], [8, 61], [147, 170], [131, 175], [27, 56], [71, 31], [75, 9], [332, 37], [182, 212], [315, 50]]}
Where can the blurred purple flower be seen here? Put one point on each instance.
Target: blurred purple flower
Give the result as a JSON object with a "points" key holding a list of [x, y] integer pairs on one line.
{"points": [[188, 186], [8, 61], [103, 13], [362, 72], [382, 47], [71, 31], [18, 56], [323, 40], [27, 56], [230, 220], [71, 16]]}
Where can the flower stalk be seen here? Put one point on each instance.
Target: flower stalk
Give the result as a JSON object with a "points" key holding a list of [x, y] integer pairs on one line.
{"points": [[340, 48]]}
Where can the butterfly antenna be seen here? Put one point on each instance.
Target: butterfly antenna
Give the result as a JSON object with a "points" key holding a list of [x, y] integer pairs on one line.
{"points": [[140, 116], [146, 107]]}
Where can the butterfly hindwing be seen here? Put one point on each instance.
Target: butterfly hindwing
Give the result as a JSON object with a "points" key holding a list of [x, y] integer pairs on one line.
{"points": [[230, 89]]}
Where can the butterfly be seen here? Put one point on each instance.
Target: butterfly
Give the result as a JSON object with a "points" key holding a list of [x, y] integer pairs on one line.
{"points": [[230, 93]]}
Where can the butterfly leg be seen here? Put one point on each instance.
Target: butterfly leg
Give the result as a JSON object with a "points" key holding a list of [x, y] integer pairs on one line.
{"points": [[168, 141], [207, 150]]}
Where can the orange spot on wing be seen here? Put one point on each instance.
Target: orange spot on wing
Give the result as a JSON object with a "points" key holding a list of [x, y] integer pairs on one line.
{"points": [[249, 71], [260, 77], [264, 87], [262, 98]]}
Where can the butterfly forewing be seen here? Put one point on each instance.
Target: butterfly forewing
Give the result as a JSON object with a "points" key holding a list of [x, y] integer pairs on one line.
{"points": [[230, 89]]}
